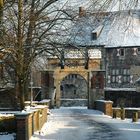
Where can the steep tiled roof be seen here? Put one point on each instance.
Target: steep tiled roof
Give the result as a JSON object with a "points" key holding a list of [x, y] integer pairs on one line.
{"points": [[118, 29]]}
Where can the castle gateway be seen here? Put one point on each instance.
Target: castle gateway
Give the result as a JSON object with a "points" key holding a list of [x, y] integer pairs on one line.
{"points": [[78, 73]]}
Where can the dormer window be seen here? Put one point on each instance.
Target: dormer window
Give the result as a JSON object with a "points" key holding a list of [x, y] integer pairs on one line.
{"points": [[94, 36], [96, 33]]}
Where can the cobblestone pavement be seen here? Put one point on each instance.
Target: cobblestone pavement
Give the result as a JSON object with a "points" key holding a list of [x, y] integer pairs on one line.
{"points": [[79, 124]]}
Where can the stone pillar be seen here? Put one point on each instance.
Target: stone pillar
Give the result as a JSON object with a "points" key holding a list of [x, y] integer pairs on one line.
{"points": [[122, 113], [96, 87], [135, 116], [108, 108], [114, 115], [91, 98], [24, 126], [92, 90], [104, 106]]}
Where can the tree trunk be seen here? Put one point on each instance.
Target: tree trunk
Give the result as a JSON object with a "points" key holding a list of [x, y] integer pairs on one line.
{"points": [[20, 59], [1, 17], [19, 97], [1, 10], [22, 104]]}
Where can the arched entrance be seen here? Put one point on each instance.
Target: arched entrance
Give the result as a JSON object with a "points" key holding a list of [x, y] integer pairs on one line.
{"points": [[61, 74], [74, 90], [86, 63], [94, 81]]}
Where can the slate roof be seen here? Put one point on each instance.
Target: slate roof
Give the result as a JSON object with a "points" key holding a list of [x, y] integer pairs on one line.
{"points": [[121, 25], [118, 29]]}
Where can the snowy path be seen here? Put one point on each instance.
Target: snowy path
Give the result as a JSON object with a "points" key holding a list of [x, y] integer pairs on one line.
{"points": [[84, 124]]}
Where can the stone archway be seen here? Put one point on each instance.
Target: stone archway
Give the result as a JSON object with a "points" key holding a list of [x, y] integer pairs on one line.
{"points": [[95, 84], [86, 62], [60, 74]]}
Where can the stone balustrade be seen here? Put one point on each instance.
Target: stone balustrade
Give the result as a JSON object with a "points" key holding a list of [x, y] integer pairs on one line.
{"points": [[133, 113], [27, 122], [122, 113]]}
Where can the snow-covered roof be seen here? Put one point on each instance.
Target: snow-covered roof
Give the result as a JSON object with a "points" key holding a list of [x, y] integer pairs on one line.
{"points": [[112, 5], [118, 29], [124, 30], [120, 24]]}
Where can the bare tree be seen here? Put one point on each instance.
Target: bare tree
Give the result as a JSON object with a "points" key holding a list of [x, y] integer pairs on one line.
{"points": [[30, 28]]}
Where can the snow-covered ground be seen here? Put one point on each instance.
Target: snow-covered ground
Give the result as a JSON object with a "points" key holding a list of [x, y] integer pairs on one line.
{"points": [[74, 122], [7, 136], [61, 120]]}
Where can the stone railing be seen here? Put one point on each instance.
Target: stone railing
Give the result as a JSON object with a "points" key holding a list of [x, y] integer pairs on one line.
{"points": [[25, 123], [123, 113], [29, 122], [104, 106]]}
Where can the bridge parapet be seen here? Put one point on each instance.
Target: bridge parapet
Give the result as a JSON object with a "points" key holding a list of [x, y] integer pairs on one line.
{"points": [[104, 106]]}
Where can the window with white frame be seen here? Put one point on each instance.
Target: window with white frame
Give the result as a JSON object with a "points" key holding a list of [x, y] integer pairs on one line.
{"points": [[114, 74], [117, 71], [120, 75], [113, 79], [126, 75], [138, 50], [121, 52]]}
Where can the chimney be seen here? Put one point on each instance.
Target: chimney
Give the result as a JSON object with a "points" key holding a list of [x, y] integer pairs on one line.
{"points": [[82, 12]]}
